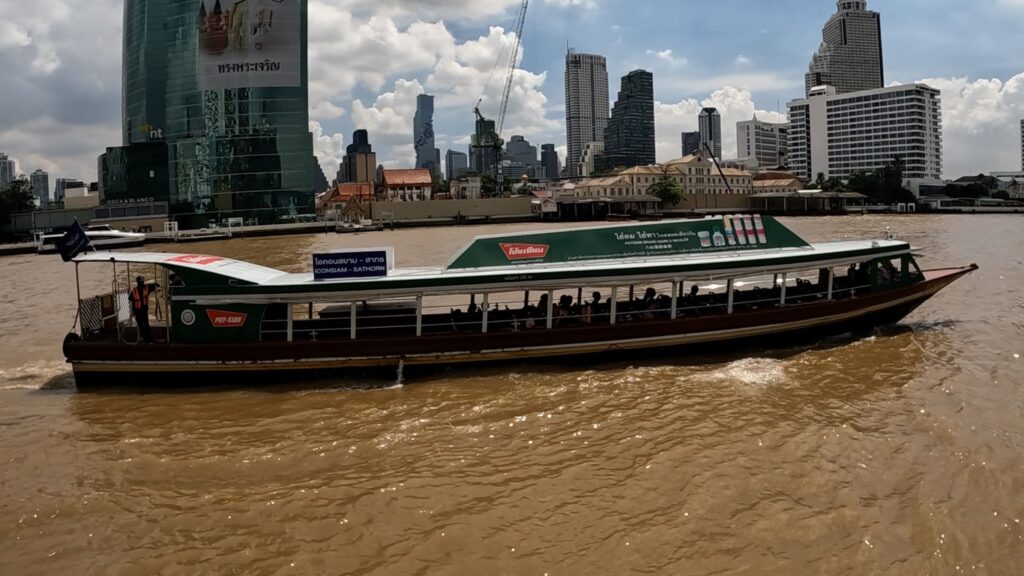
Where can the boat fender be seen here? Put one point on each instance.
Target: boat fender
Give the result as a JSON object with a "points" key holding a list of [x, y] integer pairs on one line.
{"points": [[71, 338]]}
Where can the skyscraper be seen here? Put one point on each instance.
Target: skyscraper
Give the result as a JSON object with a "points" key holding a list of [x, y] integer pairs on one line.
{"points": [[6, 171], [549, 158], [629, 137], [360, 164], [41, 187], [227, 132], [518, 149], [764, 144], [423, 133], [710, 131], [850, 55], [691, 143], [455, 164], [586, 104]]}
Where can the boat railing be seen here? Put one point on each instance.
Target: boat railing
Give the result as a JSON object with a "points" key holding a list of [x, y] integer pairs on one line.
{"points": [[511, 313]]}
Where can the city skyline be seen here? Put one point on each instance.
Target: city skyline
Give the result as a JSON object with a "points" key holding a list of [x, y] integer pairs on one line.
{"points": [[761, 68]]}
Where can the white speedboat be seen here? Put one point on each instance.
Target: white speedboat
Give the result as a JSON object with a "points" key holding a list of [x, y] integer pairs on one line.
{"points": [[100, 236]]}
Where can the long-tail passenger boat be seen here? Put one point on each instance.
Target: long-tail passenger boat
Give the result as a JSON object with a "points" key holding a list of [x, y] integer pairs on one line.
{"points": [[563, 293]]}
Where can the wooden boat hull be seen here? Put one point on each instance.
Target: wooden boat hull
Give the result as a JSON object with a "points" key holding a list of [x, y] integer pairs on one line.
{"points": [[107, 364]]}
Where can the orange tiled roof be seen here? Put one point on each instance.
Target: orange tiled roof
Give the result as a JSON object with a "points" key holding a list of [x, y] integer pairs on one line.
{"points": [[412, 177]]}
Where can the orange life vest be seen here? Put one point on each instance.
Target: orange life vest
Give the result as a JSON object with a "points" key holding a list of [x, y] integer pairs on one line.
{"points": [[140, 301]]}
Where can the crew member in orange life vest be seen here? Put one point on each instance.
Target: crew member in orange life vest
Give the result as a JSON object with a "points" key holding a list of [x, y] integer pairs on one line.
{"points": [[140, 308]]}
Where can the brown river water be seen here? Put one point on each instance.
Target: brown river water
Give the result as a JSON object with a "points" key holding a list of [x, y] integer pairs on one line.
{"points": [[901, 453]]}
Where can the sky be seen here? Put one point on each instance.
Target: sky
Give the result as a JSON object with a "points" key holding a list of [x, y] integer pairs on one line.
{"points": [[60, 94]]}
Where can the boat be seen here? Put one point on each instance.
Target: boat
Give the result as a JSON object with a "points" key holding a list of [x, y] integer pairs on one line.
{"points": [[100, 236], [590, 293], [357, 227]]}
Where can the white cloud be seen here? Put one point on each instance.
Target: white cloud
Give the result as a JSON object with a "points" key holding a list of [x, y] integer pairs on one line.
{"points": [[667, 56], [981, 124], [742, 60], [328, 149], [734, 104]]}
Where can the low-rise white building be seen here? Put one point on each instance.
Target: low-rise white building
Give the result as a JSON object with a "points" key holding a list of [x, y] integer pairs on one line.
{"points": [[762, 144], [840, 135]]}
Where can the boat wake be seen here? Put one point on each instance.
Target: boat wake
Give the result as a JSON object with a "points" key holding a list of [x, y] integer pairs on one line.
{"points": [[38, 376]]}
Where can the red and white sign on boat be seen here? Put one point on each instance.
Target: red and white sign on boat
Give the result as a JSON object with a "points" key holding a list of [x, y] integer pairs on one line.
{"points": [[222, 319], [197, 259], [525, 251]]}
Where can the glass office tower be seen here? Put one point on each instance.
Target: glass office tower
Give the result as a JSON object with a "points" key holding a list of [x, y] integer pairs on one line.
{"points": [[224, 84]]}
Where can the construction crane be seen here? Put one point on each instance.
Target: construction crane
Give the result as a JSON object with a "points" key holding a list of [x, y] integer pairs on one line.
{"points": [[487, 141]]}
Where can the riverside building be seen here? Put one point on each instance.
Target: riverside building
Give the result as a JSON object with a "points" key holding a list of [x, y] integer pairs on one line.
{"points": [[839, 135], [850, 55], [762, 144], [1022, 145], [218, 110], [586, 105]]}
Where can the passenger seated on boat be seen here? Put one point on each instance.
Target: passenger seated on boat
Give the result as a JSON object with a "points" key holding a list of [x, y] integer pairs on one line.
{"points": [[565, 309], [472, 305], [649, 304], [542, 305]]}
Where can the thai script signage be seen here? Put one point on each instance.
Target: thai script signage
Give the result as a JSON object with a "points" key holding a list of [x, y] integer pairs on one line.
{"points": [[249, 43], [732, 233], [348, 264]]}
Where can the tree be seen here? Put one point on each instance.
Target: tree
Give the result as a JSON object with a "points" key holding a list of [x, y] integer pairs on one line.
{"points": [[819, 182], [667, 190], [15, 199]]}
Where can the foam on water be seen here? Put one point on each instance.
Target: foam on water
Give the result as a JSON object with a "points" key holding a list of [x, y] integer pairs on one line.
{"points": [[750, 373]]}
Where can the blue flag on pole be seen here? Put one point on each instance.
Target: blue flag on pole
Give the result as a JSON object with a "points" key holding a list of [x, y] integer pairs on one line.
{"points": [[73, 243]]}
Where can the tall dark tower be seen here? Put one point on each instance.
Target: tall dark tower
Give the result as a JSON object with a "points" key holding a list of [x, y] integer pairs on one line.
{"points": [[629, 137]]}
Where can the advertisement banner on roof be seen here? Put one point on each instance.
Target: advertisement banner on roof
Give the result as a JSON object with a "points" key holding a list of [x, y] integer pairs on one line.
{"points": [[249, 44], [350, 264], [731, 233]]}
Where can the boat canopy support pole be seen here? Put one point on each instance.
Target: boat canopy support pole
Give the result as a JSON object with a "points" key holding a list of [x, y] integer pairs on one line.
{"points": [[78, 304], [732, 294], [676, 289], [419, 315], [291, 323], [615, 304], [486, 308], [551, 309], [831, 281], [352, 321], [785, 278]]}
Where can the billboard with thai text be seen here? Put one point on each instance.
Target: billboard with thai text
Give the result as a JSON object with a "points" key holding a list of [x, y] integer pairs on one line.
{"points": [[249, 43]]}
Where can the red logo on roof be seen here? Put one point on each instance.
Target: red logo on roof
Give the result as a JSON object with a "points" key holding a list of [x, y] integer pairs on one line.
{"points": [[525, 251], [222, 319], [197, 259]]}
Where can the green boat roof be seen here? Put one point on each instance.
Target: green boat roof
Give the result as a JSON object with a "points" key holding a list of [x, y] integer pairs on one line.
{"points": [[667, 250]]}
